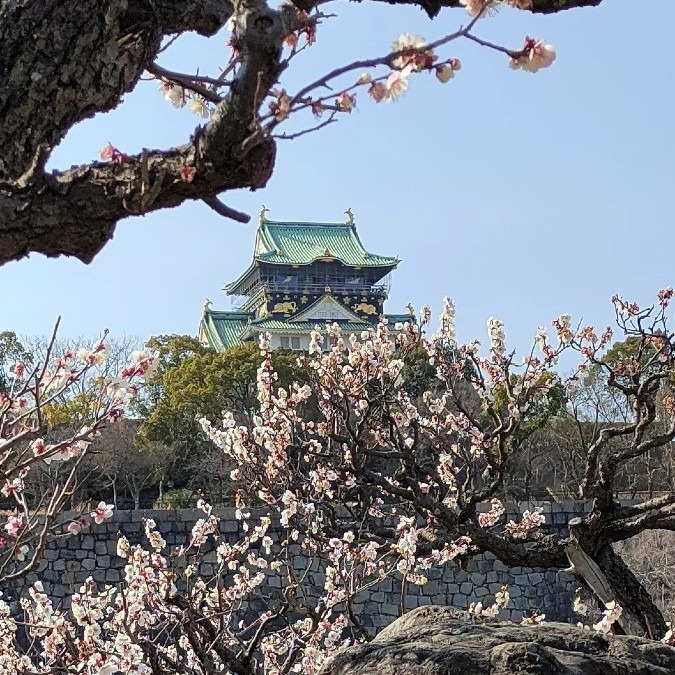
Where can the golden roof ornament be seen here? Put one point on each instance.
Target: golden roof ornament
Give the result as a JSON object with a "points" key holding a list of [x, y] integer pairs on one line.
{"points": [[262, 217], [350, 217], [206, 307]]}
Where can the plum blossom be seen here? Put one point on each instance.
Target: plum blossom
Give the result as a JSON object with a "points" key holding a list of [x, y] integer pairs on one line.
{"points": [[493, 515], [173, 93], [497, 336], [13, 487], [102, 512], [535, 55], [476, 7], [530, 520], [346, 102], [414, 57], [610, 615], [14, 525], [97, 355], [534, 619], [397, 84], [199, 107], [377, 91], [76, 526]]}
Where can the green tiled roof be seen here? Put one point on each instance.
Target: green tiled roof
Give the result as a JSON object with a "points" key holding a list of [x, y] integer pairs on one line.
{"points": [[222, 329], [225, 329], [304, 326], [399, 318], [302, 243]]}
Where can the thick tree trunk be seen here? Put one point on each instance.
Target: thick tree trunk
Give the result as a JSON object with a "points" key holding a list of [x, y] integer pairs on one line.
{"points": [[611, 579], [630, 593]]}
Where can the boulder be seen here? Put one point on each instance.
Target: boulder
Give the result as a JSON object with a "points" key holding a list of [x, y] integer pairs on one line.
{"points": [[442, 641]]}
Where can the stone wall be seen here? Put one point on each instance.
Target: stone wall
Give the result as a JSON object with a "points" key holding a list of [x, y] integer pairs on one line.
{"points": [[69, 561]]}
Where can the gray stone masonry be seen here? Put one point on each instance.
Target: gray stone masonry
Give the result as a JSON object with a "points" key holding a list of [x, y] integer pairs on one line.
{"points": [[69, 562]]}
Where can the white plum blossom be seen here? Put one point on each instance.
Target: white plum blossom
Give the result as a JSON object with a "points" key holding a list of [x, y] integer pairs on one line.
{"points": [[102, 512], [536, 55]]}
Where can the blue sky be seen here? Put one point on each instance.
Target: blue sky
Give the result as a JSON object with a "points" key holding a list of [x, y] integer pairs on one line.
{"points": [[521, 196]]}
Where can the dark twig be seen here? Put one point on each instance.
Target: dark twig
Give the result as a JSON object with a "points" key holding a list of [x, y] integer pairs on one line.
{"points": [[225, 210], [187, 82], [290, 137]]}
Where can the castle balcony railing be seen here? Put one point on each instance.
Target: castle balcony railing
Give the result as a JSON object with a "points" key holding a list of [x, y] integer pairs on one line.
{"points": [[297, 288]]}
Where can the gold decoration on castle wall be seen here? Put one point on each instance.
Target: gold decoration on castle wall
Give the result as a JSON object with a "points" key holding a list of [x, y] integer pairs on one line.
{"points": [[350, 216], [327, 289], [347, 299], [304, 299], [263, 311], [284, 307], [365, 308], [262, 217]]}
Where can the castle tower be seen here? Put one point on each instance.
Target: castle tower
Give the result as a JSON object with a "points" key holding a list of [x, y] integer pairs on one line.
{"points": [[302, 275]]}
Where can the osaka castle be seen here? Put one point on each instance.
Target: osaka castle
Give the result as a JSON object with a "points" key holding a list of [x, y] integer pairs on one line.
{"points": [[302, 276]]}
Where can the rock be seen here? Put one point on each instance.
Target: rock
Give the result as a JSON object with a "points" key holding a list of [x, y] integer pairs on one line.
{"points": [[444, 641]]}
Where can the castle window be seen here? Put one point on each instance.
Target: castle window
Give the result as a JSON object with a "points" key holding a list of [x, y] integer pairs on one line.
{"points": [[295, 342], [285, 342]]}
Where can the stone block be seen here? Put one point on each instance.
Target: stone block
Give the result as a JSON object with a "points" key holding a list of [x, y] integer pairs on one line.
{"points": [[433, 588], [481, 592], [389, 609], [484, 566], [520, 603], [50, 554], [499, 566], [58, 591], [460, 601], [112, 576], [89, 564], [477, 578], [466, 588], [536, 578]]}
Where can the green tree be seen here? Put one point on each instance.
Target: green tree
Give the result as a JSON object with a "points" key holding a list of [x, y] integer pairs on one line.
{"points": [[191, 382], [11, 352]]}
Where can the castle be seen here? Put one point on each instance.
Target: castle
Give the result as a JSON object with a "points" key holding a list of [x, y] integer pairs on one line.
{"points": [[302, 275]]}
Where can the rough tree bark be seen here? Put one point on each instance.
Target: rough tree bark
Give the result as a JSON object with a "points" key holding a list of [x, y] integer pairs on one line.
{"points": [[62, 61]]}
